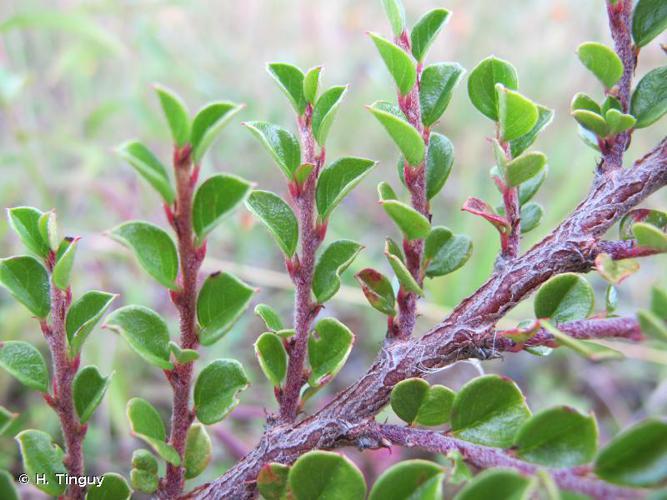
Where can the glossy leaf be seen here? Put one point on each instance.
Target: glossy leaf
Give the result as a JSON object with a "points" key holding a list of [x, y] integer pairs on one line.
{"points": [[445, 252], [649, 19], [221, 301], [153, 247], [62, 271], [482, 84], [48, 229], [416, 402], [112, 487], [520, 144], [88, 389], [336, 180], [398, 62], [149, 167], [208, 123], [437, 85], [378, 290], [217, 388], [649, 99], [335, 259], [216, 197], [409, 480], [618, 122], [655, 218], [83, 315], [582, 101], [406, 137], [281, 144], [25, 363], [328, 348], [425, 30], [290, 80], [176, 113], [566, 297], [407, 281], [311, 83], [324, 112], [396, 15], [558, 437], [145, 331], [517, 114], [412, 224], [636, 456], [615, 271], [272, 357], [591, 121], [386, 192], [439, 161], [278, 218], [324, 474], [147, 425], [25, 223], [198, 450], [649, 236], [28, 282], [499, 484], [41, 456], [602, 61], [489, 410], [525, 167]]}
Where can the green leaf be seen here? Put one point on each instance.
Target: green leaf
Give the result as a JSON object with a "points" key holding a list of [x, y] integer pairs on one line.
{"points": [[270, 316], [62, 271], [520, 144], [445, 252], [221, 301], [566, 297], [7, 487], [525, 167], [278, 218], [25, 363], [405, 278], [216, 389], [499, 484], [412, 224], [272, 357], [143, 481], [439, 161], [48, 229], [649, 19], [636, 456], [591, 121], [324, 474], [610, 102], [558, 437], [43, 458], [290, 80], [281, 144], [208, 123], [652, 325], [149, 167], [272, 481], [378, 290], [615, 271], [602, 61], [517, 114], [386, 192], [28, 282], [83, 315], [659, 302], [198, 450], [406, 137], [582, 101], [529, 188], [425, 30], [589, 350], [611, 299], [324, 112], [394, 249], [182, 356], [335, 259], [460, 471], [88, 390], [147, 425], [436, 87], [398, 62], [336, 180], [647, 235], [7, 418], [215, 198], [415, 402], [618, 122], [328, 348], [145, 331], [590, 139], [531, 216], [25, 223], [311, 83], [176, 113], [655, 218], [482, 84], [396, 15], [112, 487], [144, 460], [489, 410], [153, 248], [409, 480], [649, 99]]}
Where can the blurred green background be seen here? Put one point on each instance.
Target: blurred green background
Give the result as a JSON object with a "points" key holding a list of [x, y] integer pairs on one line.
{"points": [[75, 81]]}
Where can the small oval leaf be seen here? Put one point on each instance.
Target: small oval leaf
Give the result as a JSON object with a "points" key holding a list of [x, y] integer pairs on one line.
{"points": [[217, 388], [28, 282], [208, 123], [328, 348], [278, 218], [25, 363], [425, 30], [88, 389], [83, 315], [149, 167], [290, 79], [566, 297], [198, 450], [272, 357], [324, 112], [324, 474], [409, 480], [406, 137], [176, 113], [216, 197], [147, 424], [335, 259], [336, 180], [602, 61], [649, 100], [281, 144], [482, 84], [399, 64], [42, 458]]}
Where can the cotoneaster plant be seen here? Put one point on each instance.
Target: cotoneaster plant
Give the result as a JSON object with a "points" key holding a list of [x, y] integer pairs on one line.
{"points": [[493, 446]]}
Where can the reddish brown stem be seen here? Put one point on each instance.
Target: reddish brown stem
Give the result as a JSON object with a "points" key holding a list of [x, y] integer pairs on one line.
{"points": [[626, 249], [510, 241]]}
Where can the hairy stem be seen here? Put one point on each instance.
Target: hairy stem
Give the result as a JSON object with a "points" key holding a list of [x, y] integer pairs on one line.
{"points": [[511, 241]]}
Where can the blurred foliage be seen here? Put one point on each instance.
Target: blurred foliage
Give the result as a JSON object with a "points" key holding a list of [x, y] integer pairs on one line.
{"points": [[75, 80]]}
